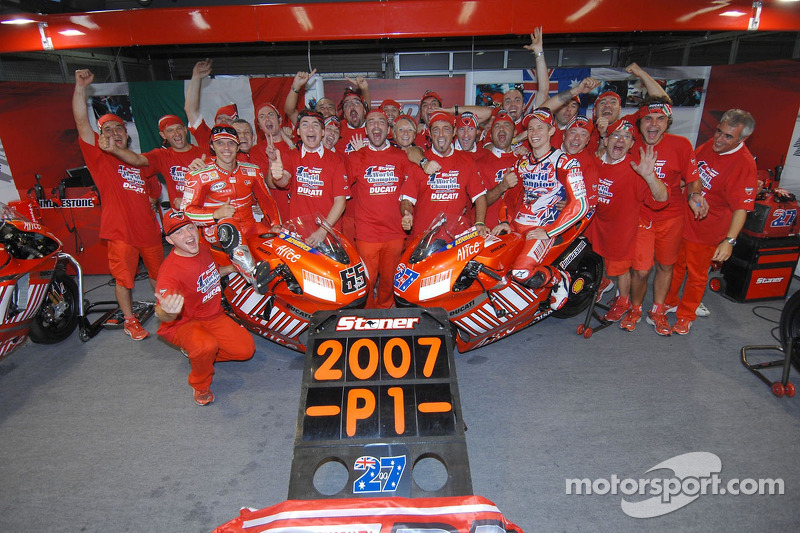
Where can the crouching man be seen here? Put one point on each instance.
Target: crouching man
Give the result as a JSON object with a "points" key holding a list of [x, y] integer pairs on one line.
{"points": [[189, 305]]}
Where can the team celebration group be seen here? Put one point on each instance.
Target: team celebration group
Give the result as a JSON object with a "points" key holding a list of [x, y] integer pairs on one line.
{"points": [[381, 177]]}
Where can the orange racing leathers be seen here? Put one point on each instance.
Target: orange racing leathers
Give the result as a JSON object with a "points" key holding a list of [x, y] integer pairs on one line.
{"points": [[211, 187]]}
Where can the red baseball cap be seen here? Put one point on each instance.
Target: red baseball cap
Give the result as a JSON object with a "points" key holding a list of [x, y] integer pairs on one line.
{"points": [[580, 121], [390, 103], [109, 117], [622, 125], [467, 119], [174, 220], [409, 118], [169, 120], [502, 116], [612, 94], [231, 110], [333, 120], [657, 108], [268, 104], [441, 115], [541, 113], [430, 94]]}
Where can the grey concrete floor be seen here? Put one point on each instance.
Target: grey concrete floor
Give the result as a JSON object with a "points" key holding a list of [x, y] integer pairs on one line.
{"points": [[104, 435]]}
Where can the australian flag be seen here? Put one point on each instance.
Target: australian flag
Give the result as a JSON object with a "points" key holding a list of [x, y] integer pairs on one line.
{"points": [[561, 79]]}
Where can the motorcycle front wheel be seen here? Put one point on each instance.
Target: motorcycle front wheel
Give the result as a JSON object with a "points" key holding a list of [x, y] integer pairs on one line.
{"points": [[58, 316]]}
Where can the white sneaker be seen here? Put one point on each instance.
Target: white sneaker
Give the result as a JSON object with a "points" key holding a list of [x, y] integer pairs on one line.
{"points": [[702, 310]]}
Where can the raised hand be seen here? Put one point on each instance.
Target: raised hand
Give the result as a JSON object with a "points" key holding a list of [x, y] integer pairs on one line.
{"points": [[360, 82], [587, 85], [226, 210], [105, 142], [634, 69], [197, 164], [510, 179], [536, 40], [83, 77], [202, 68], [357, 142], [301, 79], [171, 303], [647, 162]]}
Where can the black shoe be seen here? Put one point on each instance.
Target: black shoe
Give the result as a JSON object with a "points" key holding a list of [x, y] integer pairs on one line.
{"points": [[535, 281]]}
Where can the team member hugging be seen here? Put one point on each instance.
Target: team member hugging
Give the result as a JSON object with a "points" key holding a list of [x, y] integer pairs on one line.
{"points": [[625, 186], [189, 305]]}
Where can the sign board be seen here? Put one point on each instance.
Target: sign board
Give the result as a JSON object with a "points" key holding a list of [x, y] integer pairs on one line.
{"points": [[380, 399]]}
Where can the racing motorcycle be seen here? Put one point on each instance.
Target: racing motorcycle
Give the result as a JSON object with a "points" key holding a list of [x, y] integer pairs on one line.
{"points": [[296, 280], [37, 297], [452, 266]]}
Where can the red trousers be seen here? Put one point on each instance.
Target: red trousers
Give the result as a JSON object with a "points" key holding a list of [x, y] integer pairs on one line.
{"points": [[209, 341], [693, 262], [381, 260]]}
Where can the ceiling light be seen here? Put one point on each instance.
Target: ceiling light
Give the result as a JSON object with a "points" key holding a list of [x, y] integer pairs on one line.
{"points": [[732, 14], [71, 33], [18, 21]]}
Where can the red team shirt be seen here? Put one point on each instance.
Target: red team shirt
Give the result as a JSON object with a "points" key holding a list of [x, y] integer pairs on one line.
{"points": [[621, 193], [317, 178], [674, 166], [451, 191], [197, 280], [174, 166], [346, 133], [375, 180], [729, 183], [492, 166], [127, 214]]}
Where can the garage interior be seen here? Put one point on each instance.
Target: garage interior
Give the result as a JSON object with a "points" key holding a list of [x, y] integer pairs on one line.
{"points": [[103, 434]]}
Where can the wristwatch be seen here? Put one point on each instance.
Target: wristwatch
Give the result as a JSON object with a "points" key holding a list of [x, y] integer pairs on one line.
{"points": [[730, 241]]}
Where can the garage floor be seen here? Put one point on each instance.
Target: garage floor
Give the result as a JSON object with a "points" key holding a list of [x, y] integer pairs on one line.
{"points": [[104, 435]]}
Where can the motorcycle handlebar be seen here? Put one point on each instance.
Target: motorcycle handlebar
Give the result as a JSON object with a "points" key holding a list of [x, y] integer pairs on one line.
{"points": [[491, 273]]}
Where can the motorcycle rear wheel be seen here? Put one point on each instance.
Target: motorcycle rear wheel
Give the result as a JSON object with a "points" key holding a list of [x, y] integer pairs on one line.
{"points": [[790, 327], [53, 324], [590, 269]]}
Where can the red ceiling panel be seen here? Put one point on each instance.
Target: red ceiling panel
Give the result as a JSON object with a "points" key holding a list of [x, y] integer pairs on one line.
{"points": [[392, 18]]}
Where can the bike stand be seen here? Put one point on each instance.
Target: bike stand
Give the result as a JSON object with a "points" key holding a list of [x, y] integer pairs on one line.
{"points": [[586, 329], [111, 317], [779, 388]]}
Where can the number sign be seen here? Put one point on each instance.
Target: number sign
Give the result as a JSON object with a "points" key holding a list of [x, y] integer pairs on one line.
{"points": [[379, 393]]}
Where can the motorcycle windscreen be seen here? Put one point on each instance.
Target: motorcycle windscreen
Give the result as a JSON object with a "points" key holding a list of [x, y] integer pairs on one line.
{"points": [[303, 227], [439, 235]]}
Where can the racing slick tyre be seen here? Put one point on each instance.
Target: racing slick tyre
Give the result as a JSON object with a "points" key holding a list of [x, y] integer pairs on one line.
{"points": [[58, 315], [790, 327], [585, 280]]}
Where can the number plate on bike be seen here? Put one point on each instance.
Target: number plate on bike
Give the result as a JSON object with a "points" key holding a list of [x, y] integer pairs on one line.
{"points": [[379, 396]]}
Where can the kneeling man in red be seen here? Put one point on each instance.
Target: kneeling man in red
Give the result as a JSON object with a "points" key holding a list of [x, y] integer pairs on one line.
{"points": [[189, 306]]}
